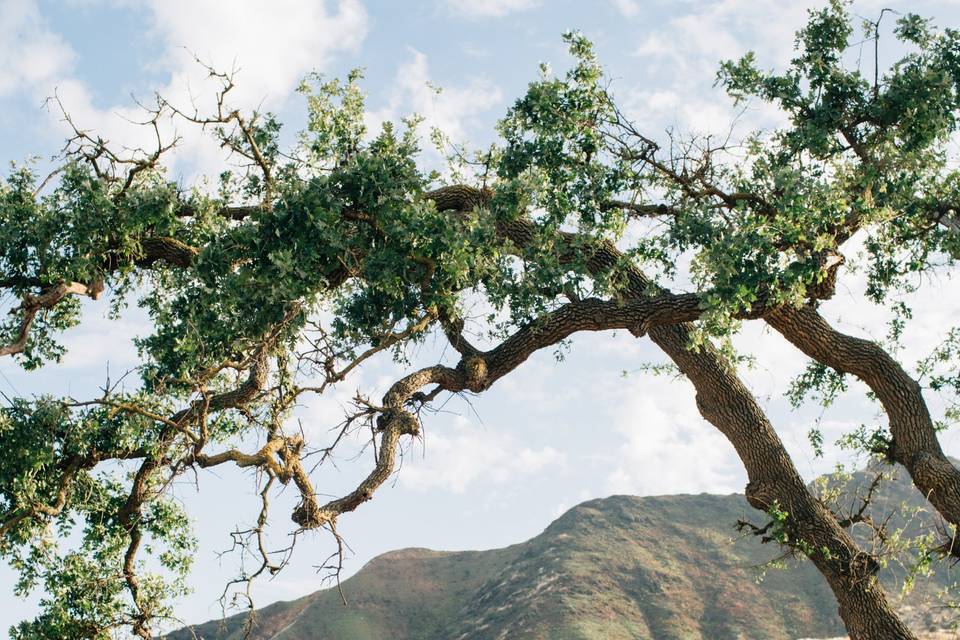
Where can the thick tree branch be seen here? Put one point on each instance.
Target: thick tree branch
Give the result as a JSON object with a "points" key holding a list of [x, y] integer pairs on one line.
{"points": [[725, 402], [48, 299], [915, 443]]}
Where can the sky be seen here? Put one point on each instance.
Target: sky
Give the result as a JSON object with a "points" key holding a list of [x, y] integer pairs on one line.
{"points": [[494, 469]]}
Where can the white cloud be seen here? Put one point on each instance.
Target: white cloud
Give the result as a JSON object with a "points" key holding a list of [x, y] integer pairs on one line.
{"points": [[629, 8], [683, 56], [450, 109], [458, 456], [727, 29], [87, 344], [30, 54], [489, 8], [270, 45], [690, 112], [668, 447], [273, 44]]}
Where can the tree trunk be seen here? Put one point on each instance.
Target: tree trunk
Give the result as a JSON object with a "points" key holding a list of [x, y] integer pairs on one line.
{"points": [[915, 444], [725, 402]]}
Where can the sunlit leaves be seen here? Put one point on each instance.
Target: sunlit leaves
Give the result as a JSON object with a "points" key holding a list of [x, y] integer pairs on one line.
{"points": [[340, 227]]}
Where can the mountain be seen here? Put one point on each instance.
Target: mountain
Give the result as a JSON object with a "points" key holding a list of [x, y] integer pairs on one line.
{"points": [[667, 567]]}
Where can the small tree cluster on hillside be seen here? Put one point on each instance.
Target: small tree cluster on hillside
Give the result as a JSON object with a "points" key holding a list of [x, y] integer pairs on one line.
{"points": [[308, 261]]}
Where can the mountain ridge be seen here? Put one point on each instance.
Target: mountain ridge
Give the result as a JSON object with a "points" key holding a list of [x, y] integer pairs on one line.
{"points": [[621, 567]]}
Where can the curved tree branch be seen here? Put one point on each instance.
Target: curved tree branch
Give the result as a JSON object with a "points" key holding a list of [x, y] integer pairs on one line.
{"points": [[915, 443]]}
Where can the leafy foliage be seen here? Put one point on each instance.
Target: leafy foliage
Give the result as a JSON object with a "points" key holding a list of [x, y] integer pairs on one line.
{"points": [[307, 261]]}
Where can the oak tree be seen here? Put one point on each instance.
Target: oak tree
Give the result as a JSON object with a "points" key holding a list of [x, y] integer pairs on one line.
{"points": [[302, 263]]}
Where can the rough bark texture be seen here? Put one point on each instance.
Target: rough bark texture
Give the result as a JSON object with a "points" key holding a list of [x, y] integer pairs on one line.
{"points": [[915, 444], [724, 401]]}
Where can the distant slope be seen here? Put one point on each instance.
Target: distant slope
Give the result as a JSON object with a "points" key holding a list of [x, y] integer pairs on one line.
{"points": [[669, 567]]}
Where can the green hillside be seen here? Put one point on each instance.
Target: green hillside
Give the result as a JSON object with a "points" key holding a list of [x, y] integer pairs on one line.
{"points": [[669, 567]]}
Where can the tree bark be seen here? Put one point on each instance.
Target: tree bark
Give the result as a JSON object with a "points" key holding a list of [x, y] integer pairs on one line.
{"points": [[915, 444], [724, 401]]}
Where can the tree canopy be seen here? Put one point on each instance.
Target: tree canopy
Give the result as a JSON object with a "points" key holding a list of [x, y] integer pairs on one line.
{"points": [[301, 263]]}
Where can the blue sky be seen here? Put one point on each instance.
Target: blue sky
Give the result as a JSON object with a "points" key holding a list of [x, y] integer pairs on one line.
{"points": [[498, 469]]}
